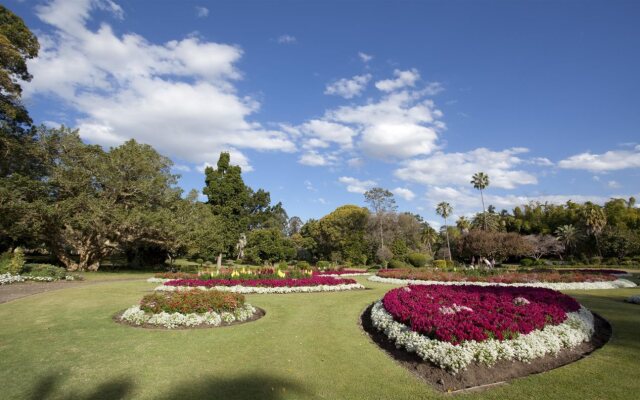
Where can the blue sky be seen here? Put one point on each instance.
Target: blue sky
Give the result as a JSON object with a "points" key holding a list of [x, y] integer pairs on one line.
{"points": [[319, 101]]}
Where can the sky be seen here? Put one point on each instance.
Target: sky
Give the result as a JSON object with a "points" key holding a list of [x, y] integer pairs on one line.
{"points": [[321, 101]]}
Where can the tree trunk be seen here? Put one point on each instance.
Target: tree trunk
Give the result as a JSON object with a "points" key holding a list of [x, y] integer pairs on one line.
{"points": [[219, 260], [446, 231], [484, 212]]}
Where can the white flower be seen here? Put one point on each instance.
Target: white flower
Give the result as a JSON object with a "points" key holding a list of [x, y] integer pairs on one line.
{"points": [[6, 279], [136, 316], [577, 328], [265, 290], [618, 283]]}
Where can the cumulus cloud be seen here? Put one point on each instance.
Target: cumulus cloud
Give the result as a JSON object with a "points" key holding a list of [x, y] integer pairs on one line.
{"points": [[402, 79], [348, 88], [405, 193], [202, 12], [287, 39], [365, 57], [466, 201], [609, 161], [314, 159], [458, 168], [178, 96], [355, 185]]}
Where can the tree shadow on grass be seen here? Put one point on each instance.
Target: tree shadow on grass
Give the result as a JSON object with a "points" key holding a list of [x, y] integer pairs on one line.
{"points": [[47, 388], [257, 386]]}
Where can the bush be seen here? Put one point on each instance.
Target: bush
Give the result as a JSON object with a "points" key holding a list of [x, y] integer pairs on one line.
{"points": [[302, 265], [439, 263], [283, 265], [5, 260], [191, 301], [611, 261], [595, 260], [526, 262], [399, 264], [189, 268], [418, 260], [17, 262], [323, 264], [44, 270]]}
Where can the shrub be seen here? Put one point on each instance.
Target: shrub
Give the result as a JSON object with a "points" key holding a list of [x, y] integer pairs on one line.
{"points": [[526, 262], [322, 264], [44, 270], [596, 260], [611, 261], [398, 264], [191, 301], [17, 262], [417, 260], [302, 265], [283, 265], [5, 260], [189, 268], [439, 263]]}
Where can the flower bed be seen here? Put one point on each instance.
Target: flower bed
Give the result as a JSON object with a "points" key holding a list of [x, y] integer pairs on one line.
{"points": [[550, 280], [342, 272], [233, 274], [283, 285], [455, 326], [6, 279], [189, 309]]}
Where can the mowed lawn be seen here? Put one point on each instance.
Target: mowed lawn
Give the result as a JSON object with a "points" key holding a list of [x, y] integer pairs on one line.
{"points": [[65, 345]]}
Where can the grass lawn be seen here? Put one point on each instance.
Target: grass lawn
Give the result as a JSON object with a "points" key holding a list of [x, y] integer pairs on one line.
{"points": [[64, 345]]}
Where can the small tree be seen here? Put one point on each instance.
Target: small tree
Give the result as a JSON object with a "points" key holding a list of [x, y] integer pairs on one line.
{"points": [[444, 210], [380, 201]]}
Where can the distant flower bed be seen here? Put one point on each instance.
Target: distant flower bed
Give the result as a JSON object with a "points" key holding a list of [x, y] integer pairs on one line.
{"points": [[189, 309], [233, 274], [282, 285], [6, 279], [342, 272], [550, 279], [454, 326]]}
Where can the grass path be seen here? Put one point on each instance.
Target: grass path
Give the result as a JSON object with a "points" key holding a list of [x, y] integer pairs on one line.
{"points": [[64, 345]]}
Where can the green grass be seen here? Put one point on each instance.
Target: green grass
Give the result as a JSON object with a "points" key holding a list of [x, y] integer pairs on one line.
{"points": [[64, 345]]}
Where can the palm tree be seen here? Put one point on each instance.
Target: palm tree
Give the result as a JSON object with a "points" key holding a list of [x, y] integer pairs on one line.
{"points": [[568, 236], [595, 219], [428, 237], [444, 210], [480, 181], [463, 224]]}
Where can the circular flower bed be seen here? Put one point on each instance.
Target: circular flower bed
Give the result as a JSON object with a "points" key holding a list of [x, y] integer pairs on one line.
{"points": [[189, 309], [557, 280], [455, 326], [282, 285]]}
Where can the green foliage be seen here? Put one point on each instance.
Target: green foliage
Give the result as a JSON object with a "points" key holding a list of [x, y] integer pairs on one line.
{"points": [[322, 264], [283, 265], [268, 245], [17, 262], [418, 260], [44, 270], [302, 265], [440, 264], [527, 262], [396, 263], [399, 249], [5, 260], [191, 301]]}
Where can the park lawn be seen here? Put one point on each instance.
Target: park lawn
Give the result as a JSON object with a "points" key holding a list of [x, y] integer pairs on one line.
{"points": [[115, 275], [64, 345]]}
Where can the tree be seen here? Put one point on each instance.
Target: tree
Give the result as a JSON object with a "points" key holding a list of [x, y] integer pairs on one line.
{"points": [[569, 236], [444, 210], [17, 45], [294, 225], [428, 236], [380, 201], [595, 220], [542, 245], [480, 181], [463, 224], [269, 245]]}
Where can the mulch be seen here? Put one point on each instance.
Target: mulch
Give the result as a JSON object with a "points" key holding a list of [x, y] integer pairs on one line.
{"points": [[256, 316], [478, 375]]}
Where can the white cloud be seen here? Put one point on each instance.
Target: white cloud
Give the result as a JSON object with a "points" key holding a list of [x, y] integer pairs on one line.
{"points": [[614, 185], [433, 88], [178, 96], [324, 132], [348, 88], [405, 193], [202, 12], [403, 79], [365, 57], [287, 39], [400, 125], [181, 168], [355, 185], [355, 162], [314, 159], [465, 201], [309, 186], [609, 161], [458, 168]]}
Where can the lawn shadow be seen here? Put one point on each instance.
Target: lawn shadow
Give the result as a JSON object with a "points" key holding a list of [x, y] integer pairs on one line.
{"points": [[257, 386], [47, 386]]}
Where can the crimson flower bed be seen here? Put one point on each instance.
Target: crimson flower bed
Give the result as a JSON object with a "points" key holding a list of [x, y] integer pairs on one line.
{"points": [[284, 282], [506, 277], [462, 313]]}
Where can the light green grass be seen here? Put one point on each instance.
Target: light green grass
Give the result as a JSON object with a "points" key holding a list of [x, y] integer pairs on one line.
{"points": [[119, 275], [64, 345]]}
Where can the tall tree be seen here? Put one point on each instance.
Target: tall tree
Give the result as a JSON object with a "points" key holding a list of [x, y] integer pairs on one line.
{"points": [[380, 201], [294, 225], [444, 210], [480, 181], [595, 220], [463, 224], [568, 235]]}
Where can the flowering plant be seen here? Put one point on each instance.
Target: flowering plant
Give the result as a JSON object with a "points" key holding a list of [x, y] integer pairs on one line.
{"points": [[342, 272], [193, 301], [283, 282]]}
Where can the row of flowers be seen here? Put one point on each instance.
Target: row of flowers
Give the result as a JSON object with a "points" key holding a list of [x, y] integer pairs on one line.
{"points": [[614, 284], [558, 329], [342, 272], [136, 316], [6, 279], [339, 287], [503, 277]]}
